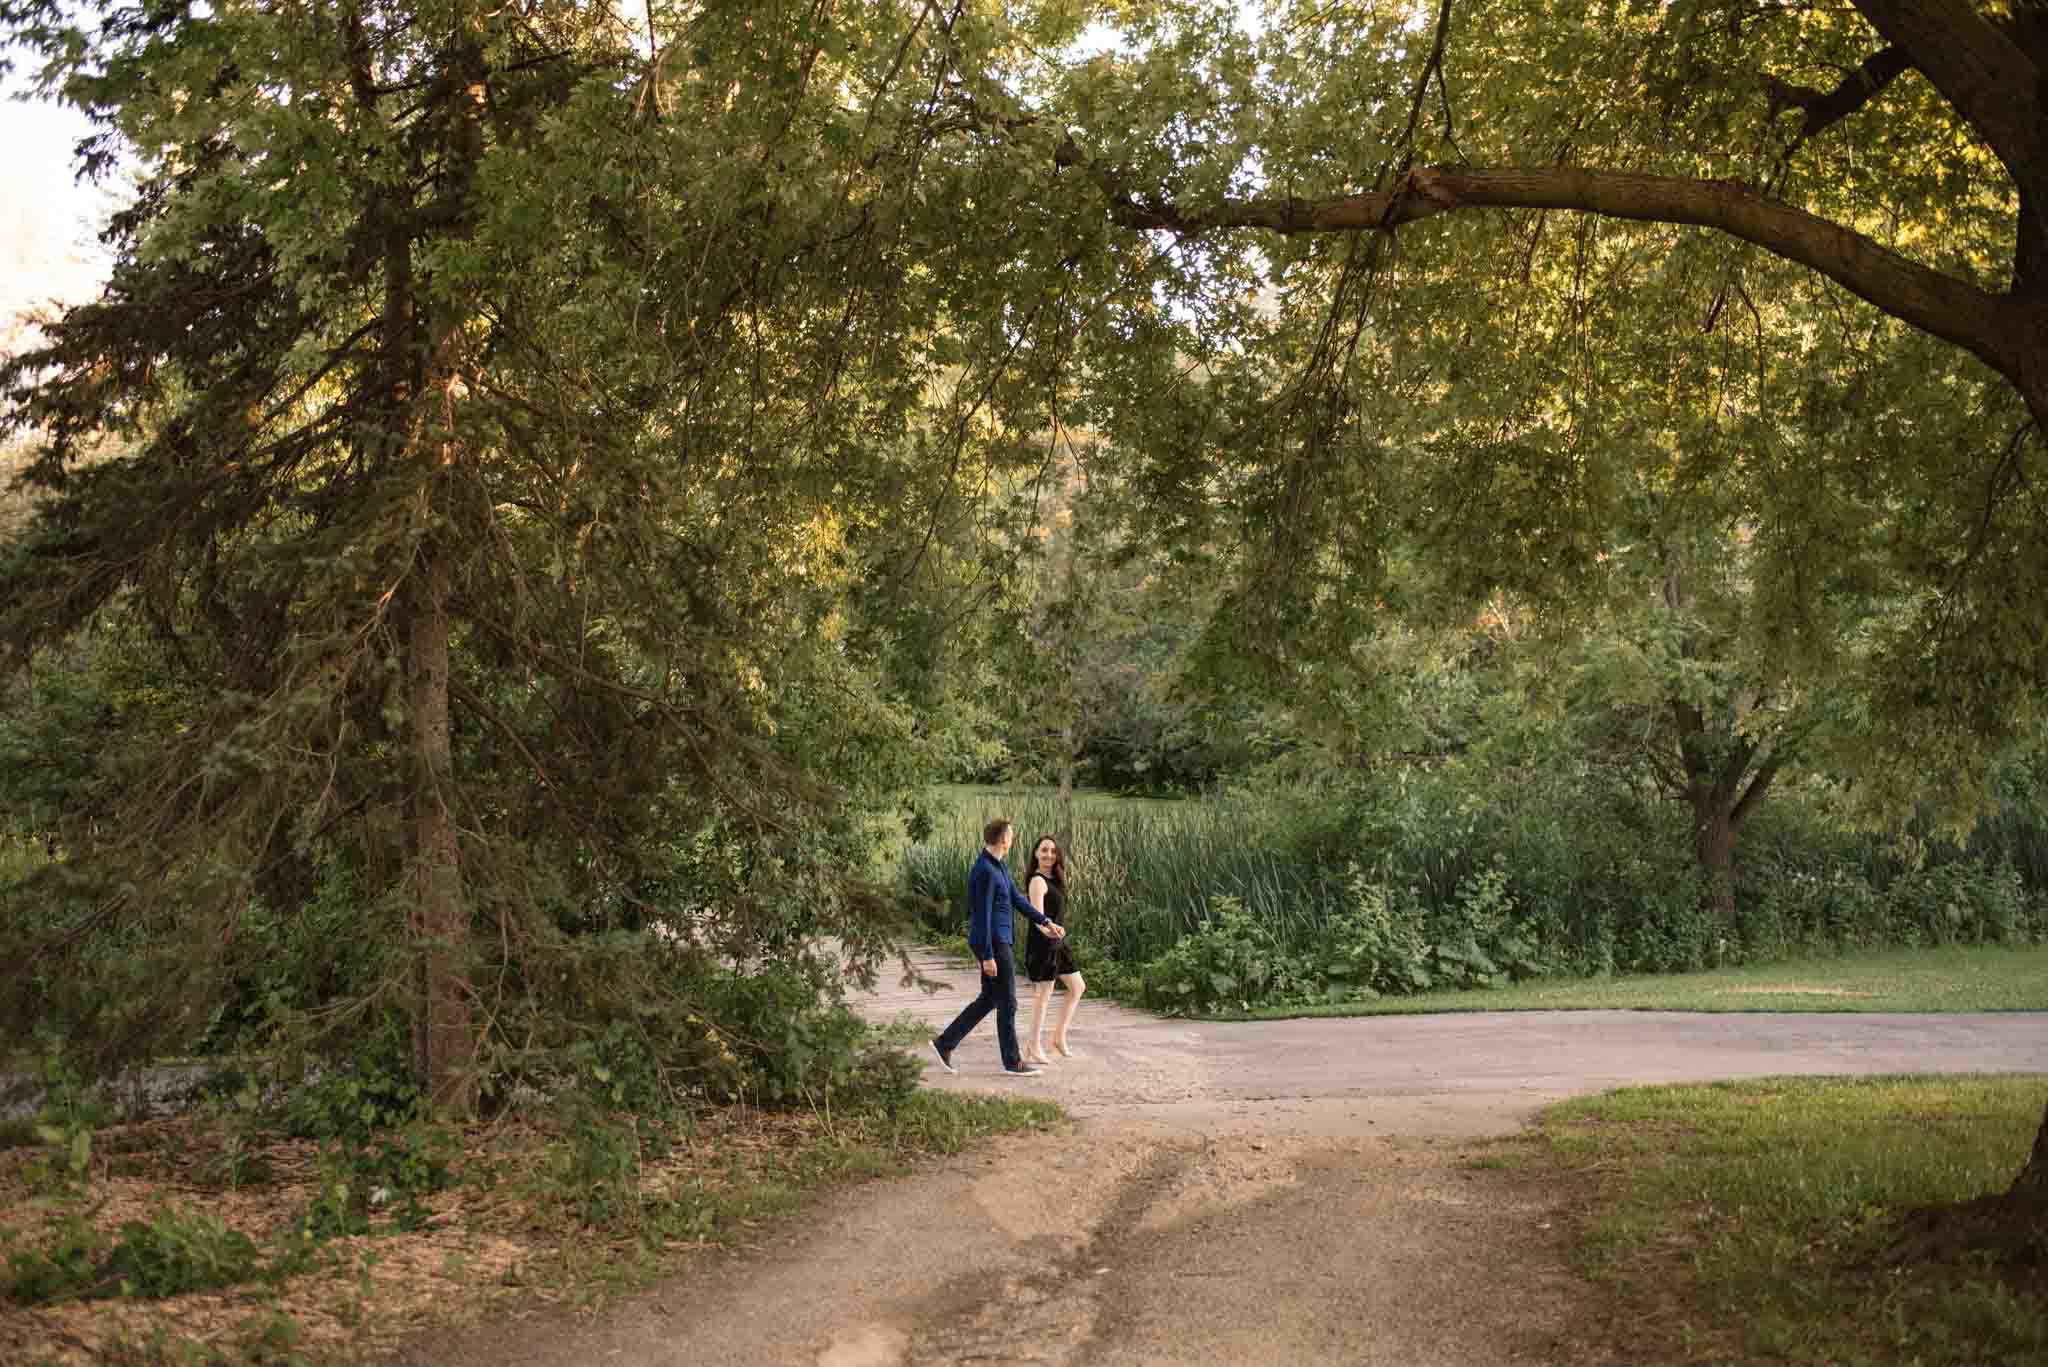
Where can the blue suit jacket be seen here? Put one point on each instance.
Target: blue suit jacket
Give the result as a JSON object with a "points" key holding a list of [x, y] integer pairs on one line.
{"points": [[991, 897]]}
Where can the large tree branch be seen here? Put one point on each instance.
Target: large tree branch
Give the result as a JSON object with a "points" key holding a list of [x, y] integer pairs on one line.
{"points": [[1951, 309], [1979, 69], [1826, 108], [1758, 786]]}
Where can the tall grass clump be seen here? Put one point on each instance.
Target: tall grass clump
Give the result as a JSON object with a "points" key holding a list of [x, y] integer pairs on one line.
{"points": [[1143, 873]]}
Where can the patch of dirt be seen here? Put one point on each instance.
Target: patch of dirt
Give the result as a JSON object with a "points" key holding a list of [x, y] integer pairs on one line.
{"points": [[1126, 1241]]}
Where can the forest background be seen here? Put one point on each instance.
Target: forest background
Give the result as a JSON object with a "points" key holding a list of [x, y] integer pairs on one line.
{"points": [[547, 490]]}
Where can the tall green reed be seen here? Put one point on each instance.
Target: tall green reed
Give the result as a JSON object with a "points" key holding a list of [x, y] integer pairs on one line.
{"points": [[1140, 874]]}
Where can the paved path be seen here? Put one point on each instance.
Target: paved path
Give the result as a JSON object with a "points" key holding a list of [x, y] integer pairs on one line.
{"points": [[1466, 1074]]}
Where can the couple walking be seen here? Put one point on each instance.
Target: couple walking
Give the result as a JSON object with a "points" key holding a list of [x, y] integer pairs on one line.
{"points": [[991, 896]]}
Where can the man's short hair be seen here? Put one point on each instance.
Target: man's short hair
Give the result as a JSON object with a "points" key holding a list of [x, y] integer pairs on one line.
{"points": [[992, 834]]}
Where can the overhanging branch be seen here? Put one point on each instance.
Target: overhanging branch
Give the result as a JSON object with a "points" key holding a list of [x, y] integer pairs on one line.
{"points": [[1826, 108], [1941, 305]]}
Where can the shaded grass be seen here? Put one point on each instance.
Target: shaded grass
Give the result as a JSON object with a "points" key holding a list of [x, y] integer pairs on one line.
{"points": [[1761, 1221], [1942, 979]]}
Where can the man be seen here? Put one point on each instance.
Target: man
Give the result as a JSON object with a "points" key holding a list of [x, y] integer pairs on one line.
{"points": [[991, 897]]}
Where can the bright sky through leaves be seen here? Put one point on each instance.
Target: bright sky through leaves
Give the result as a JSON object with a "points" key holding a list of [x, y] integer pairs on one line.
{"points": [[47, 221]]}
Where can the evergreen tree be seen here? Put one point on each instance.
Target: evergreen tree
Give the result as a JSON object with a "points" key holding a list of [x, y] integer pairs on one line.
{"points": [[510, 397]]}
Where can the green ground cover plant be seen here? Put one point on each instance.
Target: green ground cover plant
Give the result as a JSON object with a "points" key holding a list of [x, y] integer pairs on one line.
{"points": [[1784, 1221]]}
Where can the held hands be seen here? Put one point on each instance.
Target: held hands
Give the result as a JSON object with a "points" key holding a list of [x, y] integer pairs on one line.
{"points": [[1052, 928]]}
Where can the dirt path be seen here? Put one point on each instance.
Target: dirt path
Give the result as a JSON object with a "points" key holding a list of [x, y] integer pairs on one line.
{"points": [[1287, 1192]]}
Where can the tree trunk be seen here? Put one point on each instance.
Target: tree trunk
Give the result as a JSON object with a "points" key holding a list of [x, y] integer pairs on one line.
{"points": [[2032, 1183], [444, 1031], [444, 1038], [444, 1041], [1713, 836]]}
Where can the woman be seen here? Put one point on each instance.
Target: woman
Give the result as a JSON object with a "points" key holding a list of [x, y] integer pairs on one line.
{"points": [[1047, 960]]}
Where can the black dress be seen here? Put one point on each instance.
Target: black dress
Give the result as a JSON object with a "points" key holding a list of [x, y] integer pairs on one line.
{"points": [[1044, 957]]}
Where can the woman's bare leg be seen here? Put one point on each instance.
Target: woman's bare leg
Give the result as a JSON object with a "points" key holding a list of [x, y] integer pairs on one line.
{"points": [[1034, 1052], [1075, 987]]}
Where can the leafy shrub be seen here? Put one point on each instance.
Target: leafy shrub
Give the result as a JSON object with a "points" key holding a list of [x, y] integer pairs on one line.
{"points": [[1489, 869], [404, 1168], [1234, 958], [1376, 945], [651, 1027], [1479, 941], [171, 1252], [786, 1044], [1959, 901], [236, 1164], [65, 1266], [340, 1204], [1673, 932], [68, 1163], [65, 1122], [600, 1164], [1804, 910], [356, 1100], [886, 1078], [394, 1170], [176, 1251]]}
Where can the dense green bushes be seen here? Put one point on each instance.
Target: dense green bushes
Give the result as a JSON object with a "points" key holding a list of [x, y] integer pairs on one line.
{"points": [[1460, 877]]}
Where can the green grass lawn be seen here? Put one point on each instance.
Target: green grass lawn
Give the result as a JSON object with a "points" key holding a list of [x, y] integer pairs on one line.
{"points": [[1950, 978], [1766, 1221]]}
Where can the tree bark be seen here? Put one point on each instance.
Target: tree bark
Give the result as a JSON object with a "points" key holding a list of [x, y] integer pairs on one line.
{"points": [[422, 346], [1719, 785], [2031, 1185], [1713, 834], [444, 1040], [445, 1029], [1722, 789]]}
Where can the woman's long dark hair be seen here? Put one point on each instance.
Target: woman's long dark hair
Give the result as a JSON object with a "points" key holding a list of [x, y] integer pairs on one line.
{"points": [[1059, 863]]}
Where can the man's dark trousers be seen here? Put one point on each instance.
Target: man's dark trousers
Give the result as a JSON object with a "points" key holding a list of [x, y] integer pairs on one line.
{"points": [[998, 994]]}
